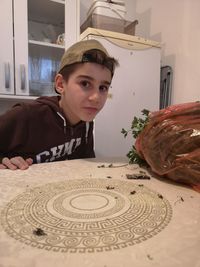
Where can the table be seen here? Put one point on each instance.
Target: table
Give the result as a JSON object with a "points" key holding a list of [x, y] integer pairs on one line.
{"points": [[87, 213]]}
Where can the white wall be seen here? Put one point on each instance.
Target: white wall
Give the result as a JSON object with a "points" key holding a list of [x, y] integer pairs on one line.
{"points": [[176, 24]]}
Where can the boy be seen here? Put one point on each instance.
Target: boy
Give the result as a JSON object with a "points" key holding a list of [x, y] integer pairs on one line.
{"points": [[60, 127]]}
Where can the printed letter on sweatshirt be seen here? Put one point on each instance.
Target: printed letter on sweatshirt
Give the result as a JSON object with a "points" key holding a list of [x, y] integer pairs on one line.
{"points": [[41, 157], [56, 152], [68, 147], [78, 142]]}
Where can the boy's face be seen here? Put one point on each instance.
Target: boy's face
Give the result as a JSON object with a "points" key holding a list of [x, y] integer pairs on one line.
{"points": [[85, 92]]}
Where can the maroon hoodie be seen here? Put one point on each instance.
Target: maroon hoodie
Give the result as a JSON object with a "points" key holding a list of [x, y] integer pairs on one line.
{"points": [[39, 130]]}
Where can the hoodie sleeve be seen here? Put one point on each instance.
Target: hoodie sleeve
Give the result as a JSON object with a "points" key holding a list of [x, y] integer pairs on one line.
{"points": [[13, 130]]}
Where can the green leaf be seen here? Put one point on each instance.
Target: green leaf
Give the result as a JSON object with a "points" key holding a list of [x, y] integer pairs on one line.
{"points": [[137, 126]]}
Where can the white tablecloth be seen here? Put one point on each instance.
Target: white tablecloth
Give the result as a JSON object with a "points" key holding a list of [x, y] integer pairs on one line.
{"points": [[86, 213]]}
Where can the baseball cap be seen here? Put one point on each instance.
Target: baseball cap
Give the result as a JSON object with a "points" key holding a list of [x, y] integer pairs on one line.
{"points": [[75, 53]]}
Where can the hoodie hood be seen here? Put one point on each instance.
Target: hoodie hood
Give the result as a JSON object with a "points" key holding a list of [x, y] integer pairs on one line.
{"points": [[51, 101]]}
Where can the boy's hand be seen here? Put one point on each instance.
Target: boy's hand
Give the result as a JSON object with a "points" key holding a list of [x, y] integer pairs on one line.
{"points": [[16, 163]]}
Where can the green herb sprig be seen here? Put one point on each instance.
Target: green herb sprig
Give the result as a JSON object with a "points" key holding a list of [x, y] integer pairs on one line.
{"points": [[137, 126]]}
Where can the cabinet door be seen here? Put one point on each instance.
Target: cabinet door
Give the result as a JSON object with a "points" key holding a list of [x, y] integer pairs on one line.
{"points": [[46, 28], [72, 22], [6, 53], [21, 47]]}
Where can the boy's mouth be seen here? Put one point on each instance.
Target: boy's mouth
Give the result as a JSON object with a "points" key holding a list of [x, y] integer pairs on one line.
{"points": [[91, 109]]}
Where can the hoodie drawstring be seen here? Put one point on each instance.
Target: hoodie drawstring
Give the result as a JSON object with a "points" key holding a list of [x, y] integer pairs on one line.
{"points": [[65, 124], [87, 124]]}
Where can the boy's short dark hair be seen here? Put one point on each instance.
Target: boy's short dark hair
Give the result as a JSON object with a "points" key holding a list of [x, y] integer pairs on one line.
{"points": [[68, 70]]}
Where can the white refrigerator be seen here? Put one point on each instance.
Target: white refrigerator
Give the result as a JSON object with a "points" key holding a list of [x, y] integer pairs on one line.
{"points": [[135, 86]]}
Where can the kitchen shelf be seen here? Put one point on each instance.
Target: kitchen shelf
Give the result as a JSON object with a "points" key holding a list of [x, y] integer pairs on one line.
{"points": [[13, 97], [46, 44]]}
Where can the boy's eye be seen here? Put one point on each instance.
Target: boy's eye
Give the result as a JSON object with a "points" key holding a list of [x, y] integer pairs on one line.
{"points": [[85, 84], [103, 88]]}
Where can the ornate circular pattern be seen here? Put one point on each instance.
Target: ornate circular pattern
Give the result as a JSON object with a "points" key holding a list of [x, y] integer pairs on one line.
{"points": [[86, 215]]}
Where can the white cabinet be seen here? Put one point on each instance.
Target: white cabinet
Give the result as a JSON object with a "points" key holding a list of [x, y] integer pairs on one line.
{"points": [[20, 42], [30, 52], [135, 86], [6, 53]]}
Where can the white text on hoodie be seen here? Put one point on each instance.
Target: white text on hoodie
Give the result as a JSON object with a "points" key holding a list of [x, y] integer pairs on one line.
{"points": [[57, 152]]}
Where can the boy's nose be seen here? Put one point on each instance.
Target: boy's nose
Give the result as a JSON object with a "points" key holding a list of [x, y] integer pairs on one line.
{"points": [[95, 96]]}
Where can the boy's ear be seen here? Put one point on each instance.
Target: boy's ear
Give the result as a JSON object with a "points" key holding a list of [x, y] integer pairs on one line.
{"points": [[59, 83]]}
